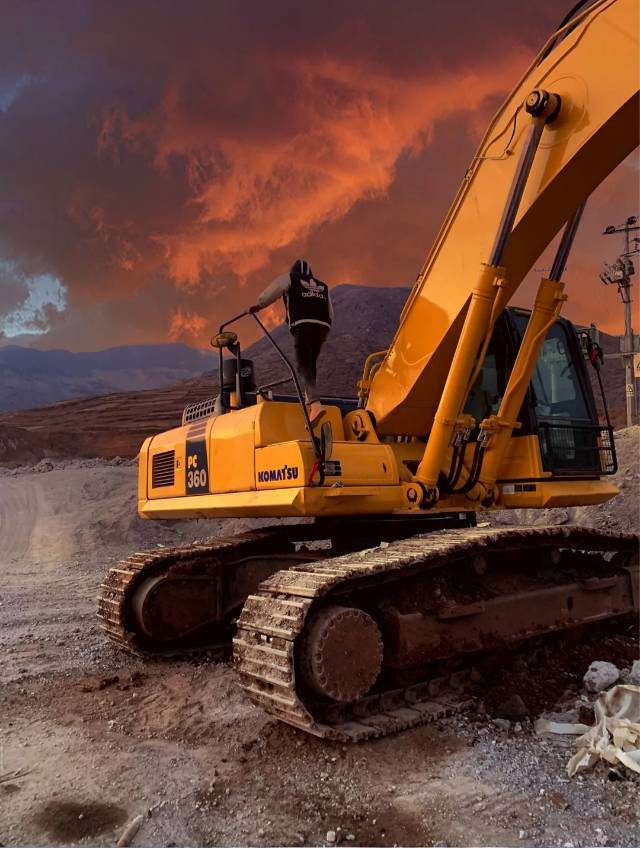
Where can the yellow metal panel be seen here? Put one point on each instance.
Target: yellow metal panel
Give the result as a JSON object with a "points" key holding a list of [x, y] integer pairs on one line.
{"points": [[283, 466], [231, 451], [522, 459], [289, 464], [557, 493], [367, 464], [228, 505], [284, 422]]}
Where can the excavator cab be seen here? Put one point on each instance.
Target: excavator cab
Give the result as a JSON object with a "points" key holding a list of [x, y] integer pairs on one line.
{"points": [[559, 410]]}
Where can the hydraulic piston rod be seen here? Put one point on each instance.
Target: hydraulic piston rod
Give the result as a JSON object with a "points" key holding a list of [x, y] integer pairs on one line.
{"points": [[543, 107], [498, 428]]}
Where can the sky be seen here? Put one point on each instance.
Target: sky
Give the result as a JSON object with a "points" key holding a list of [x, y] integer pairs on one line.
{"points": [[161, 162]]}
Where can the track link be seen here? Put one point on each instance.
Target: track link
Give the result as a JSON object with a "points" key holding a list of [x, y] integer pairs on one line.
{"points": [[121, 581], [274, 618]]}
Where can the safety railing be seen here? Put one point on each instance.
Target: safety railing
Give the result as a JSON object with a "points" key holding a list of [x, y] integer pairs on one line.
{"points": [[577, 449], [235, 347]]}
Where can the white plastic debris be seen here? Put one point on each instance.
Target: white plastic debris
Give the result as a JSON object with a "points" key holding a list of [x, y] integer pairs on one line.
{"points": [[561, 728], [615, 736]]}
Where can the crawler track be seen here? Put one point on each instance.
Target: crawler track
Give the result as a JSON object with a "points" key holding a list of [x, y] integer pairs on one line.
{"points": [[220, 563], [204, 561], [277, 609], [273, 619]]}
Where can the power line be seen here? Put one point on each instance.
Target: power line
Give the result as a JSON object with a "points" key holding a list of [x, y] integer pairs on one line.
{"points": [[619, 273]]}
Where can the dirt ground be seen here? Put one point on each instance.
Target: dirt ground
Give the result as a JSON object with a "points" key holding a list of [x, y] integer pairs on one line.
{"points": [[95, 738]]}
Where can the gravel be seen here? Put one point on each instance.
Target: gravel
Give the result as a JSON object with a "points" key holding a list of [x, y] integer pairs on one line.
{"points": [[214, 769]]}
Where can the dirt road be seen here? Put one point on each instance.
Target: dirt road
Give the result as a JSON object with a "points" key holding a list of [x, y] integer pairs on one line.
{"points": [[96, 738], [20, 509]]}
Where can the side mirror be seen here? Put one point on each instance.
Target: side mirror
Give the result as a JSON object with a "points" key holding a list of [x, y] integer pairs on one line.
{"points": [[222, 340]]}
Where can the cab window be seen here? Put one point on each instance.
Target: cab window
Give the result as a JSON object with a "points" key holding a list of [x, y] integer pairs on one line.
{"points": [[556, 386]]}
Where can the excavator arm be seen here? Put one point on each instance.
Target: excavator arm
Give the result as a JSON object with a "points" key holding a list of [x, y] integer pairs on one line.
{"points": [[569, 122]]}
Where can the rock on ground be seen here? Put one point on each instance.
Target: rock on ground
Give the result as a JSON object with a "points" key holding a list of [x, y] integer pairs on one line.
{"points": [[600, 675]]}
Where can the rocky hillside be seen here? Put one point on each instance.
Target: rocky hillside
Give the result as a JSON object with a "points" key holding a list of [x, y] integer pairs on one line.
{"points": [[19, 446], [613, 380], [31, 378], [116, 424], [365, 321]]}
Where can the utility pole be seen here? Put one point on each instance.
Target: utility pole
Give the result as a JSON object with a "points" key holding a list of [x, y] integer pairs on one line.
{"points": [[620, 274]]}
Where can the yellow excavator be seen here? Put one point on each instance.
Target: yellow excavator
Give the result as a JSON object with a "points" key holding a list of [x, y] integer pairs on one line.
{"points": [[361, 619]]}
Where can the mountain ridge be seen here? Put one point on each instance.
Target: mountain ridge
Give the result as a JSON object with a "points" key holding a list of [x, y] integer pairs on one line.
{"points": [[30, 378], [365, 321], [116, 424]]}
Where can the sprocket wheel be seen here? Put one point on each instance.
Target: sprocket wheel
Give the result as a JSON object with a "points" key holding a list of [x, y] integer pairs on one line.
{"points": [[342, 653]]}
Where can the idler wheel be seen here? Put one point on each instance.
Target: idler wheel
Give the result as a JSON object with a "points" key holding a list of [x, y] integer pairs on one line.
{"points": [[342, 653]]}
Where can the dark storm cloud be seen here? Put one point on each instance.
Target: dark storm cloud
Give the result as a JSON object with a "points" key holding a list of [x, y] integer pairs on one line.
{"points": [[155, 157]]}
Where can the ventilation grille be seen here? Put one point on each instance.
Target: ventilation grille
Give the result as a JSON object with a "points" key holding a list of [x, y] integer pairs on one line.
{"points": [[163, 469], [195, 411]]}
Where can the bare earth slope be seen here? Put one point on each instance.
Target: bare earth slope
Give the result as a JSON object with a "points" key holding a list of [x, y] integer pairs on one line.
{"points": [[109, 425], [31, 377], [19, 446], [116, 424], [91, 738]]}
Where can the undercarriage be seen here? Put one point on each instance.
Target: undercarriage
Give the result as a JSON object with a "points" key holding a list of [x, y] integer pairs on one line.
{"points": [[350, 642]]}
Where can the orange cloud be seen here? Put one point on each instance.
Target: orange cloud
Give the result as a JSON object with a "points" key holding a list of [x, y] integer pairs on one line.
{"points": [[273, 315], [259, 192], [176, 182], [186, 324]]}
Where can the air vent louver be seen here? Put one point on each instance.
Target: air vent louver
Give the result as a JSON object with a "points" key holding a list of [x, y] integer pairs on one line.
{"points": [[163, 469], [196, 411]]}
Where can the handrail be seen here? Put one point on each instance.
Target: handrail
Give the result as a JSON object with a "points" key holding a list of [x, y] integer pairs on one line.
{"points": [[261, 389], [233, 320], [315, 441], [365, 382]]}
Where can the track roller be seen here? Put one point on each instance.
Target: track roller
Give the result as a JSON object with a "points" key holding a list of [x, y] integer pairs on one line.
{"points": [[342, 653]]}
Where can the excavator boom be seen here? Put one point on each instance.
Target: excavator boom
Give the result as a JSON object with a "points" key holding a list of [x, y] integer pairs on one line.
{"points": [[593, 66]]}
